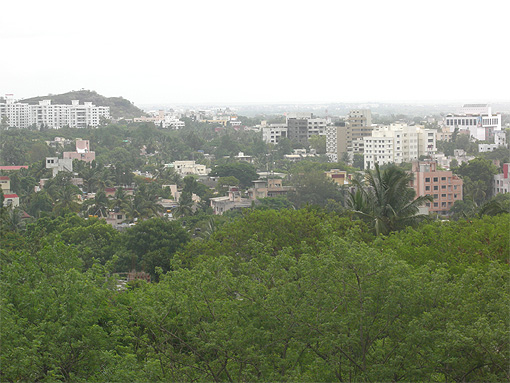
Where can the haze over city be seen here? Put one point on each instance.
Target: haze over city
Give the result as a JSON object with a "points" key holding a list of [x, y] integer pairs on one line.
{"points": [[264, 51]]}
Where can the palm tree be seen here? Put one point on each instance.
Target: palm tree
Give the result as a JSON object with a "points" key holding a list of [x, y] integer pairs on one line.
{"points": [[99, 206], [185, 207], [66, 200], [386, 201], [146, 201], [121, 199]]}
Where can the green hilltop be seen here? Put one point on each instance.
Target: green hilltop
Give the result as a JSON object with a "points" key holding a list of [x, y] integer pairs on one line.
{"points": [[119, 107]]}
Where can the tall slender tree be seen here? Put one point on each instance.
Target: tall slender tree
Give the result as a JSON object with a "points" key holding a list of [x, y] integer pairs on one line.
{"points": [[386, 201]]}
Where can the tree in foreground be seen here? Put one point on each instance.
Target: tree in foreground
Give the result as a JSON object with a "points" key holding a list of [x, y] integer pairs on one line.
{"points": [[386, 201]]}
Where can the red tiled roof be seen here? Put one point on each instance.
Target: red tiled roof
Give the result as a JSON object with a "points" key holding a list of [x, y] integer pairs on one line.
{"points": [[4, 178], [13, 167], [10, 196]]}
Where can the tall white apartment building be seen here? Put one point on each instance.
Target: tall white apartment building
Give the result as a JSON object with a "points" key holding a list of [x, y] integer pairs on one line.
{"points": [[14, 113], [477, 118], [76, 115], [398, 143]]}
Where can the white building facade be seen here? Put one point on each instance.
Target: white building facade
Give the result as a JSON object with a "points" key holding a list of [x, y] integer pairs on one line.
{"points": [[186, 168], [398, 143], [273, 133], [76, 115], [478, 119]]}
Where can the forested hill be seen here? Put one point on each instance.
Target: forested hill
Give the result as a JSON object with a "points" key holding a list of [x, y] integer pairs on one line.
{"points": [[119, 107]]}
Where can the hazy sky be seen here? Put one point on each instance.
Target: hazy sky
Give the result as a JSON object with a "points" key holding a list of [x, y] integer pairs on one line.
{"points": [[226, 51]]}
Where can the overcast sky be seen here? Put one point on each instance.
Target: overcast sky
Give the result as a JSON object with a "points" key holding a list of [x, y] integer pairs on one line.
{"points": [[224, 51]]}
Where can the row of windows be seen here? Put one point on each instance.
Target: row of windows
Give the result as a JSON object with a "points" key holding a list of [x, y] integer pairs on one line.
{"points": [[436, 179], [443, 187], [436, 196]]}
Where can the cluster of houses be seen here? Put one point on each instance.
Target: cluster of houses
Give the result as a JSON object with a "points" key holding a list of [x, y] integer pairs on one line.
{"points": [[395, 143]]}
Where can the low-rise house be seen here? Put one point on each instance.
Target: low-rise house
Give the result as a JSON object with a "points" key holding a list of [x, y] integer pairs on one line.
{"points": [[115, 217], [242, 157], [82, 152], [13, 168], [185, 168], [59, 165], [339, 176], [268, 188], [5, 184], [231, 201], [11, 200]]}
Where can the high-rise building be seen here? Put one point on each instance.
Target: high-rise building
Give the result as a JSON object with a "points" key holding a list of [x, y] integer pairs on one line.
{"points": [[302, 126], [398, 143], [339, 139]]}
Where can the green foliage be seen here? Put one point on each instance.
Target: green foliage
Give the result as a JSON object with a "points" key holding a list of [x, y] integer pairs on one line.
{"points": [[478, 178], [153, 243], [313, 188], [458, 244], [243, 171], [318, 143]]}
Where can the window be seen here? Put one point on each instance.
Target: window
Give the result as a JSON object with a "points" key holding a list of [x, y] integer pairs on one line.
{"points": [[443, 186], [427, 188], [427, 179], [443, 195], [436, 187], [436, 196], [436, 204], [436, 179], [443, 178]]}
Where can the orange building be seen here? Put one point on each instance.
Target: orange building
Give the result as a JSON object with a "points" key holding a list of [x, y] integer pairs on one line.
{"points": [[339, 176], [443, 185]]}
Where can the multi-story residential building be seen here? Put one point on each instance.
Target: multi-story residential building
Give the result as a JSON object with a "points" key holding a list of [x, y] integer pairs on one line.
{"points": [[398, 143], [23, 115], [444, 186], [340, 139], [444, 134], [301, 126], [185, 168], [477, 119], [502, 181], [268, 188], [15, 114], [231, 201], [499, 138], [272, 133], [82, 152], [5, 184], [59, 165]]}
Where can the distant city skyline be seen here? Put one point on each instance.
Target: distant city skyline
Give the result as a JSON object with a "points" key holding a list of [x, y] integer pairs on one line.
{"points": [[231, 52]]}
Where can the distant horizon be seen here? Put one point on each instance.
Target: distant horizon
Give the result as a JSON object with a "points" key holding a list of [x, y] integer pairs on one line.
{"points": [[238, 53], [227, 103]]}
